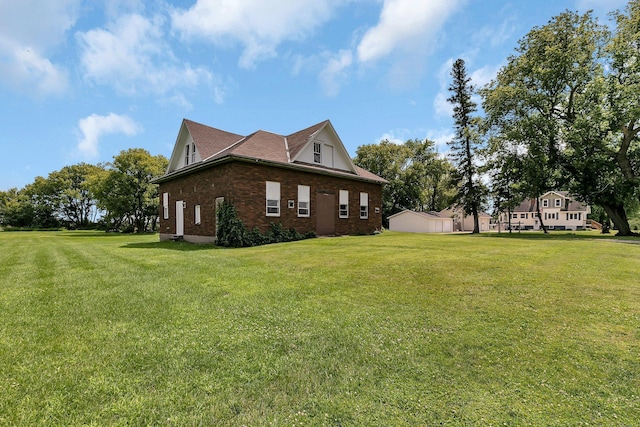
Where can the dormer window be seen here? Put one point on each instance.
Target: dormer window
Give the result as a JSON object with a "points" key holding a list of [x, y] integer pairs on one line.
{"points": [[193, 152], [317, 152], [186, 154], [558, 203]]}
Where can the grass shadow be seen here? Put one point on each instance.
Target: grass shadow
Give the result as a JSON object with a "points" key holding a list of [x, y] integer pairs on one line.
{"points": [[175, 246], [559, 235]]}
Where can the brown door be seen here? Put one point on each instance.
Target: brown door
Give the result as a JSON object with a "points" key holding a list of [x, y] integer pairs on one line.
{"points": [[325, 214]]}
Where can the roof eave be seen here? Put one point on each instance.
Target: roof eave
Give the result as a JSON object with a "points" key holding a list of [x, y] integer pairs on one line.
{"points": [[245, 159]]}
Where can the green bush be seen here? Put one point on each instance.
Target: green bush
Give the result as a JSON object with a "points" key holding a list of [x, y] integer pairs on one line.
{"points": [[232, 232]]}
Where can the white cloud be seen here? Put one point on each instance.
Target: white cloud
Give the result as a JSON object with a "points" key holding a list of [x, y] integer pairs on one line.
{"points": [[131, 55], [479, 78], [95, 126], [259, 26], [29, 31], [26, 69], [406, 25], [441, 138], [334, 73]]}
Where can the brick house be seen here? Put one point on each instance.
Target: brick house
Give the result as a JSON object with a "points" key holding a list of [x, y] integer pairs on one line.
{"points": [[305, 181]]}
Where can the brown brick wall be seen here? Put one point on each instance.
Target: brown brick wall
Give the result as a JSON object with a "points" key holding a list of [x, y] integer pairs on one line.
{"points": [[244, 184]]}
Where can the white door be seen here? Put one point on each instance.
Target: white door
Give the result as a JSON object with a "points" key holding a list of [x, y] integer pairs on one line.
{"points": [[179, 218]]}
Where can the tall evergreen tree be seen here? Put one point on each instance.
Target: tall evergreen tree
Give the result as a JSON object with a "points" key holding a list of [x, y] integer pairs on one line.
{"points": [[465, 143]]}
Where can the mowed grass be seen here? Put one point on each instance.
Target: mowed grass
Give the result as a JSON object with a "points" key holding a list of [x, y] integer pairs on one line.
{"points": [[395, 329]]}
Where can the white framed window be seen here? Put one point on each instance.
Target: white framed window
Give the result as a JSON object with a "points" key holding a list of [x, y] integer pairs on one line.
{"points": [[304, 199], [364, 205], [196, 214], [343, 208], [186, 154], [514, 216], [317, 152], [523, 215], [545, 203], [193, 152], [292, 204], [273, 198], [165, 205], [557, 203]]}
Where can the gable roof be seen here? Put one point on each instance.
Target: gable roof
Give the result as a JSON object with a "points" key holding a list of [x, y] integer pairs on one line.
{"points": [[428, 215], [215, 145], [529, 205]]}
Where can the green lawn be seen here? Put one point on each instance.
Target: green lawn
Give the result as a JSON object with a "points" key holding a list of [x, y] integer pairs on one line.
{"points": [[394, 329]]}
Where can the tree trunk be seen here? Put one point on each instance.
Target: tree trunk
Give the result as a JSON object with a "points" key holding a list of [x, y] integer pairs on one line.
{"points": [[618, 216], [544, 228], [476, 223]]}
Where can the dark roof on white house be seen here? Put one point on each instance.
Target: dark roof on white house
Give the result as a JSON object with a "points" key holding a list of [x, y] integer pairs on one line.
{"points": [[529, 205]]}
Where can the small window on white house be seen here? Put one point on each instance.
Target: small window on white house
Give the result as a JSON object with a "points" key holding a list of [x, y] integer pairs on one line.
{"points": [[557, 203], [523, 215], [304, 198], [196, 214], [317, 152], [364, 205], [193, 152], [273, 198], [165, 205], [514, 216], [545, 203], [186, 154], [344, 204]]}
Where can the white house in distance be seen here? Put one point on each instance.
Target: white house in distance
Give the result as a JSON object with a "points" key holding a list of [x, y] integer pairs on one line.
{"points": [[462, 222], [420, 222], [558, 209]]}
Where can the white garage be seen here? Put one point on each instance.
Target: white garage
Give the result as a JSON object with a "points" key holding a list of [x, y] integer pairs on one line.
{"points": [[420, 222]]}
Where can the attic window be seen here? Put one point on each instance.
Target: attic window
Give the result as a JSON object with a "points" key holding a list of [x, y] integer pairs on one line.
{"points": [[186, 154], [558, 203], [193, 152], [317, 152]]}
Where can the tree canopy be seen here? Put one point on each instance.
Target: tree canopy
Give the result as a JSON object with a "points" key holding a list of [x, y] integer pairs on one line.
{"points": [[568, 99], [418, 178]]}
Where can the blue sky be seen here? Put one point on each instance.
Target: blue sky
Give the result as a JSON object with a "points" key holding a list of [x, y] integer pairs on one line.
{"points": [[82, 80]]}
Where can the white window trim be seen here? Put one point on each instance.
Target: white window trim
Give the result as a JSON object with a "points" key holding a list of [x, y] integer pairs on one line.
{"points": [[165, 205], [272, 202], [545, 203], [318, 152], [557, 203], [364, 205], [343, 201], [196, 214], [186, 154], [304, 196], [193, 152]]}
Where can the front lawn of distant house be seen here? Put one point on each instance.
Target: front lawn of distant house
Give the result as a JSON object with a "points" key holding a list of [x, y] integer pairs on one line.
{"points": [[394, 329]]}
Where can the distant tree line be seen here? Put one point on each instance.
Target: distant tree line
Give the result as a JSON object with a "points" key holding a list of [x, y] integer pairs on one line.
{"points": [[418, 177], [115, 196]]}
